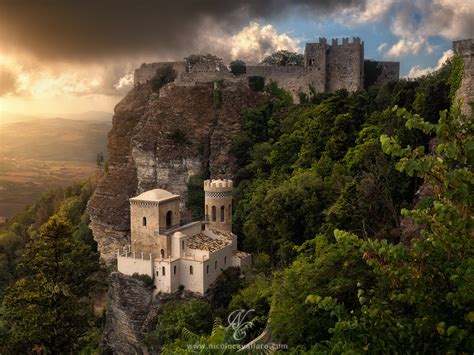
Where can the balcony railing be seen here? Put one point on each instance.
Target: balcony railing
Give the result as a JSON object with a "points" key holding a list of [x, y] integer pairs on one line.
{"points": [[176, 227]]}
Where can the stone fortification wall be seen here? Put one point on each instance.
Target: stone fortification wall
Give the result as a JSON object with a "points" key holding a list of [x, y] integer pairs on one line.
{"points": [[389, 71], [465, 92], [345, 65], [147, 71]]}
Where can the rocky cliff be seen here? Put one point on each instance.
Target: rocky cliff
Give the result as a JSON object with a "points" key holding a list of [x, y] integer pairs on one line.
{"points": [[160, 141]]}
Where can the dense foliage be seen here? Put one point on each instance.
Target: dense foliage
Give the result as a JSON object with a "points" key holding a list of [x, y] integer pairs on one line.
{"points": [[284, 58], [51, 274], [163, 75]]}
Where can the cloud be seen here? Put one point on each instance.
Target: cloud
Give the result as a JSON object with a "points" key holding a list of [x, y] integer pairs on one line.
{"points": [[8, 81], [409, 47], [415, 22], [418, 71], [251, 44], [371, 11], [90, 30], [382, 47]]}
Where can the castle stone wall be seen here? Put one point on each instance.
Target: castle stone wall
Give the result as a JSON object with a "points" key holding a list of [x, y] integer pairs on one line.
{"points": [[147, 71], [465, 92], [345, 66], [389, 71]]}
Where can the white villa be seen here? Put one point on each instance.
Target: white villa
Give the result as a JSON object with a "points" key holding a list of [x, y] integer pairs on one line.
{"points": [[173, 253]]}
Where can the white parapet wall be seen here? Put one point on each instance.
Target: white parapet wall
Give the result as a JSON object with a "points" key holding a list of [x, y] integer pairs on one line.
{"points": [[130, 265]]}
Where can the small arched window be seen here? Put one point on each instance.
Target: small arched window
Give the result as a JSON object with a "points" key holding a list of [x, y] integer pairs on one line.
{"points": [[162, 252], [157, 273], [144, 221], [191, 269], [215, 265], [182, 245], [163, 271], [207, 269], [169, 219], [222, 213], [207, 212], [225, 260], [174, 269], [214, 213]]}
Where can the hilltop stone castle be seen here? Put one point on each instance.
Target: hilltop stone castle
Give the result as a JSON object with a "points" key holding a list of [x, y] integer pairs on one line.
{"points": [[327, 67], [174, 253]]}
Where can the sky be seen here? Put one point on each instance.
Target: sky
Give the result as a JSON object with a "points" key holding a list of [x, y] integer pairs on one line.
{"points": [[60, 57]]}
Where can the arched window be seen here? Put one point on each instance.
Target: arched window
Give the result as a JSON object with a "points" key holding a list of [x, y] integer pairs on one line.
{"points": [[162, 252], [144, 221], [191, 269], [182, 245], [214, 212], [174, 269], [215, 265], [163, 271], [207, 269], [222, 213], [169, 219], [207, 212], [157, 274], [225, 260]]}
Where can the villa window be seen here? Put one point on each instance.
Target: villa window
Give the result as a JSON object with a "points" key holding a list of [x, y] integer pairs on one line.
{"points": [[174, 269], [163, 271], [214, 213], [225, 260], [222, 213], [157, 273], [144, 221], [215, 265], [169, 219], [162, 252], [191, 270], [182, 245], [207, 212], [207, 269]]}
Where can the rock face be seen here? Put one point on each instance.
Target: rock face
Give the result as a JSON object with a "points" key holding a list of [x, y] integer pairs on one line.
{"points": [[160, 141], [132, 313]]}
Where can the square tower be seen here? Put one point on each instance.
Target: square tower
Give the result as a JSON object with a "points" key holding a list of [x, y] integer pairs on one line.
{"points": [[152, 214]]}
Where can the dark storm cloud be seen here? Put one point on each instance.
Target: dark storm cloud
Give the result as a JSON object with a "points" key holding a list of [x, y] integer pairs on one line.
{"points": [[7, 81], [85, 30]]}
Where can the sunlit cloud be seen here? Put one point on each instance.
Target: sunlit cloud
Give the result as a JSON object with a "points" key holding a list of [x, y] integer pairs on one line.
{"points": [[418, 71]]}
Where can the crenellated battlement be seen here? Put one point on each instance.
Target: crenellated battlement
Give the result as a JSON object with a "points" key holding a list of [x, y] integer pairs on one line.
{"points": [[218, 185]]}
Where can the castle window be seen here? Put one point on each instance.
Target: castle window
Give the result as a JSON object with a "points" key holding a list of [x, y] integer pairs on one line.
{"points": [[214, 213], [207, 212], [163, 271], [174, 269], [162, 252], [225, 260], [182, 244], [144, 221], [207, 269], [222, 213], [169, 219], [215, 265], [191, 269], [157, 274]]}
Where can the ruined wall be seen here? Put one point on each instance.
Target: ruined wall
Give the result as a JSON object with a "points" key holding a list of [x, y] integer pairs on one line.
{"points": [[389, 71], [345, 65], [465, 92], [147, 71]]}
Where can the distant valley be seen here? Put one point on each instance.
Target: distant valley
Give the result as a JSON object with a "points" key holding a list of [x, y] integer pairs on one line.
{"points": [[41, 154]]}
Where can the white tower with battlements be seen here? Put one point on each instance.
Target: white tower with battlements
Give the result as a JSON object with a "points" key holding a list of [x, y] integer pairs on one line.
{"points": [[218, 204]]}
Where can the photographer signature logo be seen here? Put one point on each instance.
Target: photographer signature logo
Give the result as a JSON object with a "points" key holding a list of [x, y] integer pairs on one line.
{"points": [[237, 322]]}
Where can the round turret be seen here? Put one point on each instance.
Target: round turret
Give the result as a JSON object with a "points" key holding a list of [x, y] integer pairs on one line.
{"points": [[218, 204]]}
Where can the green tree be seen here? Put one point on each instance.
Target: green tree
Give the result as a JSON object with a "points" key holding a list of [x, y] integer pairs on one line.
{"points": [[48, 309], [163, 75], [284, 58]]}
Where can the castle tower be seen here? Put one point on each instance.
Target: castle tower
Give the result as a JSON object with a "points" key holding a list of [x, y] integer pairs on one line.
{"points": [[218, 204]]}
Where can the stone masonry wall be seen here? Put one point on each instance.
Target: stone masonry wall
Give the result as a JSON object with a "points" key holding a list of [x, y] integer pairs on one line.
{"points": [[465, 92], [345, 66]]}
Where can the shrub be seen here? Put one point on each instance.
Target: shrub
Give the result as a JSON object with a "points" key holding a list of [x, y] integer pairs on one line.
{"points": [[163, 75], [147, 280], [238, 67], [256, 83]]}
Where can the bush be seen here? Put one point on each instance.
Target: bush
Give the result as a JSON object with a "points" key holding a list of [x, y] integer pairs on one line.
{"points": [[163, 75], [147, 280], [256, 83], [238, 67]]}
